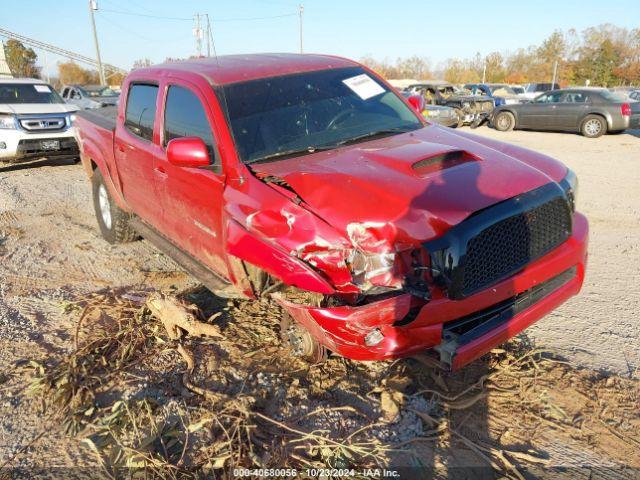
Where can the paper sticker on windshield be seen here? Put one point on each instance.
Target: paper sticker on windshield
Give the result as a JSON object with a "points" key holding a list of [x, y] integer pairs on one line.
{"points": [[364, 86], [42, 88]]}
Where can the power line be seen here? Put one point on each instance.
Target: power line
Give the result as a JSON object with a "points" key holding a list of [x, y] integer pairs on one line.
{"points": [[160, 17], [248, 19], [56, 50], [190, 19]]}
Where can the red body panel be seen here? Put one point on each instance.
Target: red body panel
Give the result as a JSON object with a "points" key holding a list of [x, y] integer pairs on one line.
{"points": [[373, 196], [343, 329]]}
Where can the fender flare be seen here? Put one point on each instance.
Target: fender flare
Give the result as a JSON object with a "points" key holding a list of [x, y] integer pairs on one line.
{"points": [[93, 158], [246, 246]]}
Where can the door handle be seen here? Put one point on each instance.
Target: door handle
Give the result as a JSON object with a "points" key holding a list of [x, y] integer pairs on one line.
{"points": [[161, 171]]}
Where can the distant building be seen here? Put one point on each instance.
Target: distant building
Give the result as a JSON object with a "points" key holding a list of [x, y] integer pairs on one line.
{"points": [[5, 72]]}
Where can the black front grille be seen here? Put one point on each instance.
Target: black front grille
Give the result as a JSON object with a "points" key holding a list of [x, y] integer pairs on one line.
{"points": [[512, 243], [33, 147], [496, 242]]}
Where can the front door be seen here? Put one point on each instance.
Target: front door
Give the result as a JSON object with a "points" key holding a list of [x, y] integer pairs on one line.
{"points": [[540, 114], [191, 197]]}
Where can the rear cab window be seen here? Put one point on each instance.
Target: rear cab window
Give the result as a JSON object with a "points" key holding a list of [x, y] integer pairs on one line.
{"points": [[141, 110]]}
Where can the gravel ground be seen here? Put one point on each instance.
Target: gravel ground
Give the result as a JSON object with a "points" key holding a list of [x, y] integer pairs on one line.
{"points": [[51, 253]]}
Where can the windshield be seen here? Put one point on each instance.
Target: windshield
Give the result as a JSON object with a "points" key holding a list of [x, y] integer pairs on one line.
{"points": [[502, 90], [313, 110], [518, 90], [28, 93], [98, 92]]}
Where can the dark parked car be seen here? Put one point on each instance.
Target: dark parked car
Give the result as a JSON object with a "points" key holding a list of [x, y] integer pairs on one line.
{"points": [[501, 93], [590, 111], [471, 109], [532, 90], [445, 116]]}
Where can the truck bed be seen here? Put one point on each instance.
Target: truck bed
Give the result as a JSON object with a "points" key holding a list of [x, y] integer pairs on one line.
{"points": [[103, 117]]}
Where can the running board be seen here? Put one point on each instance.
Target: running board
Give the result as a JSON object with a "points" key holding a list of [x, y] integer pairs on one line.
{"points": [[196, 269]]}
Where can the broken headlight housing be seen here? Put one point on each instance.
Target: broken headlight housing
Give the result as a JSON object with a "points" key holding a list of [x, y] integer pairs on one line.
{"points": [[7, 122], [373, 272], [570, 186]]}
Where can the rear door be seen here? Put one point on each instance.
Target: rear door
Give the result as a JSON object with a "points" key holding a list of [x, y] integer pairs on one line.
{"points": [[571, 109], [135, 148], [191, 197]]}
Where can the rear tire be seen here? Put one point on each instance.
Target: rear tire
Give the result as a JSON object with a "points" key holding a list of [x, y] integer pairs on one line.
{"points": [[593, 126], [300, 341], [504, 121], [112, 220]]}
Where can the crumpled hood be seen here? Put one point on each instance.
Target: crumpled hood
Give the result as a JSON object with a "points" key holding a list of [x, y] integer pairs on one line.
{"points": [[27, 108], [414, 186]]}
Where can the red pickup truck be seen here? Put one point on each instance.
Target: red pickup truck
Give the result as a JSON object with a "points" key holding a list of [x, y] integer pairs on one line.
{"points": [[309, 178]]}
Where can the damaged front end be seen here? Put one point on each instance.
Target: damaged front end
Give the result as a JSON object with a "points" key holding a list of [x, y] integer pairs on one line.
{"points": [[391, 300]]}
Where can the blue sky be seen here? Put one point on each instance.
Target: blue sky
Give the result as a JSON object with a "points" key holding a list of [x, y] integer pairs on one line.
{"points": [[434, 29]]}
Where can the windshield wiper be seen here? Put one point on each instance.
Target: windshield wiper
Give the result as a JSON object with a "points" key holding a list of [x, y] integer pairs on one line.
{"points": [[319, 148], [376, 133], [287, 153]]}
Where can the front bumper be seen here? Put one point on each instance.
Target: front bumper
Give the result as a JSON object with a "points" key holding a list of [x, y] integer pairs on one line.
{"points": [[410, 325], [19, 146]]}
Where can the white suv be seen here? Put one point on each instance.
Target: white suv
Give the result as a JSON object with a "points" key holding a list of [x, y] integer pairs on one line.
{"points": [[34, 121]]}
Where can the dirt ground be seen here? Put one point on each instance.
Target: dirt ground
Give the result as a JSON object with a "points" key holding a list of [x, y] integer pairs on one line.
{"points": [[574, 413]]}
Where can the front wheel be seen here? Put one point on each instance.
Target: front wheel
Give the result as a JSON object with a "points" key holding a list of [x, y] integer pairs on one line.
{"points": [[593, 126], [300, 341], [504, 121], [112, 220]]}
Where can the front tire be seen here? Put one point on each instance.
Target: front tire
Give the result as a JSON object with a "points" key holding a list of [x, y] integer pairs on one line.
{"points": [[302, 344], [504, 121], [593, 126], [112, 220]]}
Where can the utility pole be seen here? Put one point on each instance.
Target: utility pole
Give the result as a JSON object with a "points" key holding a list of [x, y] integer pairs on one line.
{"points": [[300, 12], [94, 6], [208, 35], [198, 33], [46, 66], [555, 71]]}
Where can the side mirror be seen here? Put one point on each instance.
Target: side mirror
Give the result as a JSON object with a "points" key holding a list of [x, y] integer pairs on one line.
{"points": [[188, 152], [417, 102]]}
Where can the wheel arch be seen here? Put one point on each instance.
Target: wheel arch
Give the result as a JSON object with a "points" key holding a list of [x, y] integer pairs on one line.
{"points": [[512, 112], [606, 115]]}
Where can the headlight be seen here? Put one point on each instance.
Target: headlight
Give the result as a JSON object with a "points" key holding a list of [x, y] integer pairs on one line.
{"points": [[570, 186], [373, 273], [7, 122]]}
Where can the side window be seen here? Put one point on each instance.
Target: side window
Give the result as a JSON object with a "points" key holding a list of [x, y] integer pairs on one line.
{"points": [[141, 110], [575, 97], [65, 92], [184, 116], [550, 98]]}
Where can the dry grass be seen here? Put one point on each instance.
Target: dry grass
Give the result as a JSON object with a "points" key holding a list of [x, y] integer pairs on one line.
{"points": [[190, 407]]}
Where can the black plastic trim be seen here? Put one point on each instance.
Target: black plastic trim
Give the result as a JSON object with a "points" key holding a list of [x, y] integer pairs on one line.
{"points": [[448, 252]]}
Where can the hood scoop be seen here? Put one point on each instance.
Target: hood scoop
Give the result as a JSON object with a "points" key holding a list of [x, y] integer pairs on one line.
{"points": [[442, 161]]}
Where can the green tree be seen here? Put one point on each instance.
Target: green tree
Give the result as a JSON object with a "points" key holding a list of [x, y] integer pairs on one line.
{"points": [[21, 59]]}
